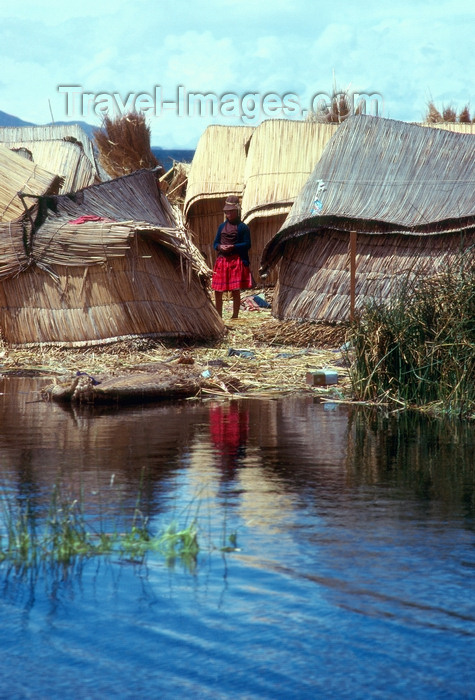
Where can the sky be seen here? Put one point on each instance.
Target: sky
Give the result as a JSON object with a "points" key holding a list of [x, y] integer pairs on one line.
{"points": [[189, 64]]}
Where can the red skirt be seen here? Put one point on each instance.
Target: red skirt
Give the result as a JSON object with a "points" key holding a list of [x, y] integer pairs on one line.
{"points": [[230, 273]]}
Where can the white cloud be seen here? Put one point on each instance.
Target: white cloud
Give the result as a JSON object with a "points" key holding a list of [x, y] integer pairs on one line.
{"points": [[408, 52], [202, 61]]}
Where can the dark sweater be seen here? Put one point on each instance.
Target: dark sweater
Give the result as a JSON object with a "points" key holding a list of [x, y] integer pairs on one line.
{"points": [[242, 244]]}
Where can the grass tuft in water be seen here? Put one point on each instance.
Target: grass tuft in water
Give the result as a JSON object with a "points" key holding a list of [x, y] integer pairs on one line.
{"points": [[64, 536]]}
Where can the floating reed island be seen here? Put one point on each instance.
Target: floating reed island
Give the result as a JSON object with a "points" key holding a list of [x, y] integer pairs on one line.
{"points": [[256, 357], [107, 287]]}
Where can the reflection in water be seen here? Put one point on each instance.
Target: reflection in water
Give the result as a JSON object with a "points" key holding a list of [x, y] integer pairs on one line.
{"points": [[229, 429], [432, 458]]}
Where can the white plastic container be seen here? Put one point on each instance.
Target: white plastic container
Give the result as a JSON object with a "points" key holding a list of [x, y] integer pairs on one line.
{"points": [[322, 377]]}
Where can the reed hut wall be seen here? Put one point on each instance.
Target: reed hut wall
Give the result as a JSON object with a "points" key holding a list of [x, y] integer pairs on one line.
{"points": [[410, 187], [217, 170], [282, 154], [13, 255], [263, 228], [314, 280], [139, 293], [457, 127], [19, 175]]}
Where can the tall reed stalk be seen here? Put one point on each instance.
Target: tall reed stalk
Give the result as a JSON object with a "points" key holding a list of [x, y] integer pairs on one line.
{"points": [[419, 349]]}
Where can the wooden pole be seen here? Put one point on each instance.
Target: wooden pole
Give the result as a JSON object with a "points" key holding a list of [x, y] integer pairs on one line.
{"points": [[352, 274]]}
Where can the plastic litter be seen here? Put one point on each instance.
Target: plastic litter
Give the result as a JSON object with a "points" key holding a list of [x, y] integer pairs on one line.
{"points": [[241, 353], [322, 377]]}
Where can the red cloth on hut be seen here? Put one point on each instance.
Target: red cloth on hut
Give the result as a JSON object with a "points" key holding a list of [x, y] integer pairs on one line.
{"points": [[89, 217]]}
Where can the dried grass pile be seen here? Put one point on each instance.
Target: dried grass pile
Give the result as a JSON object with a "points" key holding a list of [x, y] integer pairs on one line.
{"points": [[301, 334], [338, 108], [124, 145]]}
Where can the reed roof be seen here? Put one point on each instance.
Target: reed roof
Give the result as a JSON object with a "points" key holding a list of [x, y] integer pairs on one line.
{"points": [[130, 197], [217, 168], [282, 154], [65, 158], [112, 212], [126, 206], [59, 241], [53, 132], [20, 175], [385, 176]]}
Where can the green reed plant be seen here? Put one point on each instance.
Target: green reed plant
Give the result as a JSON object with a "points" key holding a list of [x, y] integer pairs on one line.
{"points": [[64, 536], [419, 349]]}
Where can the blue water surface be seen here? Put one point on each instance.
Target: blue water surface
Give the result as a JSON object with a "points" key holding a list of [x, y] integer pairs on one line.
{"points": [[336, 560]]}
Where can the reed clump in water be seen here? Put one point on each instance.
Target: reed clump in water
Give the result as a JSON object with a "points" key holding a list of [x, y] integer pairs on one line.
{"points": [[65, 536], [419, 350]]}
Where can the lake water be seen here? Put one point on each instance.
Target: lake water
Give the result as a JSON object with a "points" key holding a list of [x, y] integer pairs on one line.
{"points": [[337, 551]]}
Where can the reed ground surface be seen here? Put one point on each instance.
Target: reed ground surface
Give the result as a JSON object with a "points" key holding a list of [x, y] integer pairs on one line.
{"points": [[258, 355]]}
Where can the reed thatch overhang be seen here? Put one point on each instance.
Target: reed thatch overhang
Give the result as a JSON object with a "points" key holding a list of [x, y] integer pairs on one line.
{"points": [[109, 262], [135, 196], [11, 136], [281, 156], [406, 191], [66, 158], [20, 177], [217, 170]]}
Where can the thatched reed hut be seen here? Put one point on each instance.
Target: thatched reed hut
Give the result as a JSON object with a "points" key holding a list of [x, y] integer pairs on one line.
{"points": [[387, 200], [109, 262], [65, 150], [217, 169], [281, 156]]}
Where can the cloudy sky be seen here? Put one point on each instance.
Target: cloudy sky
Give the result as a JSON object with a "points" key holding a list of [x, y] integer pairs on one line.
{"points": [[254, 59]]}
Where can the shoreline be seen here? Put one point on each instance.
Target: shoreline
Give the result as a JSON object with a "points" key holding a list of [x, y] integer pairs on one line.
{"points": [[240, 364]]}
